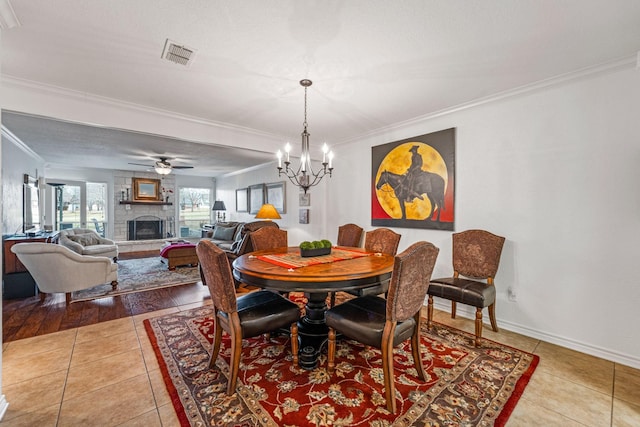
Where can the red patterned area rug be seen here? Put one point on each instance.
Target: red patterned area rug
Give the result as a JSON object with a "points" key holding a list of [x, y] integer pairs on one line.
{"points": [[466, 386]]}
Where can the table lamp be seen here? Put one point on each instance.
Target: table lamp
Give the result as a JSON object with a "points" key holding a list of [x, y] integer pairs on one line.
{"points": [[218, 206], [268, 212]]}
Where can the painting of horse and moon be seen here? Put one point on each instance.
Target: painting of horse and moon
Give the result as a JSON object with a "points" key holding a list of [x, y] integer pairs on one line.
{"points": [[412, 182]]}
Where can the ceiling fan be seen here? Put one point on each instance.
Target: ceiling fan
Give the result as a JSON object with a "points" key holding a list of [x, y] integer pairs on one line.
{"points": [[162, 166]]}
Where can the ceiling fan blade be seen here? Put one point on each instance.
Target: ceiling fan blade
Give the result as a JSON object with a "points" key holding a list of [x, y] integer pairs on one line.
{"points": [[182, 167], [140, 164]]}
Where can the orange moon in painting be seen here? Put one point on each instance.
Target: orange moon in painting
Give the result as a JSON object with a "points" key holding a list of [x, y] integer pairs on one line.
{"points": [[398, 161]]}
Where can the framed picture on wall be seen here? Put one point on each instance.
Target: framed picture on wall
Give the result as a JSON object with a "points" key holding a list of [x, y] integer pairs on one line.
{"points": [[241, 200], [146, 189], [413, 182], [256, 198], [304, 199], [276, 195], [304, 216]]}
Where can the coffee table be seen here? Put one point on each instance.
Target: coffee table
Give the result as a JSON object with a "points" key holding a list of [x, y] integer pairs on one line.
{"points": [[179, 253]]}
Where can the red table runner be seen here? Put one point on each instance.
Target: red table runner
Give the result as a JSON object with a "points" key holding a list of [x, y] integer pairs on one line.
{"points": [[294, 260]]}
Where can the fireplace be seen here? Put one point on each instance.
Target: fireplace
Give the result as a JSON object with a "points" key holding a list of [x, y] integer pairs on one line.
{"points": [[145, 228]]}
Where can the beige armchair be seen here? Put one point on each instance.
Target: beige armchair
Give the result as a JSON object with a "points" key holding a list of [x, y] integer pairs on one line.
{"points": [[85, 241], [58, 269]]}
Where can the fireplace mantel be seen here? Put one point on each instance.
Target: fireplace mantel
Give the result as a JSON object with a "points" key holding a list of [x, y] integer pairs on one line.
{"points": [[131, 202]]}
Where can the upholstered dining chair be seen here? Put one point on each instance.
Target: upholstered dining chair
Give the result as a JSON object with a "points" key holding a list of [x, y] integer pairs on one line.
{"points": [[385, 323], [382, 240], [476, 257], [268, 238], [246, 316], [349, 235]]}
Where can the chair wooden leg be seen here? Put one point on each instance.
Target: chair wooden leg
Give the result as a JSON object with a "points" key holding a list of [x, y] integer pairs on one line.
{"points": [[415, 348], [331, 350], [294, 342], [429, 312], [387, 367], [478, 325], [42, 296], [492, 317], [217, 339], [114, 285], [453, 309], [236, 353], [67, 298]]}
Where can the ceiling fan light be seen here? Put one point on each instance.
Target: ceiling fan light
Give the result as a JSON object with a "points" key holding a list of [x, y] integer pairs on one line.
{"points": [[162, 170]]}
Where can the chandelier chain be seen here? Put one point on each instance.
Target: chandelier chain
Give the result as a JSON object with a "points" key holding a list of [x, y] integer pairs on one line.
{"points": [[305, 107]]}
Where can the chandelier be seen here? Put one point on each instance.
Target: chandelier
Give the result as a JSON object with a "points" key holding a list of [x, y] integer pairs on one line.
{"points": [[304, 177]]}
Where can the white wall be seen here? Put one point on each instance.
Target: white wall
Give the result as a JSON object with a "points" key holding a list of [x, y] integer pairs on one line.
{"points": [[17, 160], [556, 172]]}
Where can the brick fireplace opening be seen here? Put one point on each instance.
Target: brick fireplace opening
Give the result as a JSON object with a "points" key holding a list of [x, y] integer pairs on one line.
{"points": [[146, 227]]}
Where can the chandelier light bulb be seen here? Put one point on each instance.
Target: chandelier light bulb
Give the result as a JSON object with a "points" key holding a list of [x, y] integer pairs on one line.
{"points": [[287, 149]]}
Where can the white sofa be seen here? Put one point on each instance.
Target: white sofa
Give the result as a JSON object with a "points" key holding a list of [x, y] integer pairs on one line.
{"points": [[56, 268], [85, 241]]}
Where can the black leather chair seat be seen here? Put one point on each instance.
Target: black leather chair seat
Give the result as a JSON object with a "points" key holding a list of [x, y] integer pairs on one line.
{"points": [[265, 311], [363, 319], [464, 291]]}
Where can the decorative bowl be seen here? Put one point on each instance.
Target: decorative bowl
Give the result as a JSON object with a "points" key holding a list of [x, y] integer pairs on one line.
{"points": [[314, 252]]}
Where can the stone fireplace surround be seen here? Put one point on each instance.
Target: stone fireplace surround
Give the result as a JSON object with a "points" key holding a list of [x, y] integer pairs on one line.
{"points": [[123, 213]]}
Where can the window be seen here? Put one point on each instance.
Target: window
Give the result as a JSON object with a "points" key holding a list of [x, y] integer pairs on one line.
{"points": [[96, 206], [195, 210], [71, 197]]}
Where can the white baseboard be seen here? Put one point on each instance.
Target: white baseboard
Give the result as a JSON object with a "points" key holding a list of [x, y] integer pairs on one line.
{"points": [[469, 313], [3, 406]]}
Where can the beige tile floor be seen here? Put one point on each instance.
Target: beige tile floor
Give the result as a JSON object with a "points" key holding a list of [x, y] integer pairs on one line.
{"points": [[107, 375]]}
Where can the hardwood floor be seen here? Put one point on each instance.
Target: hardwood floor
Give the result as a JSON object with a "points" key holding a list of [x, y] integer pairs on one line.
{"points": [[28, 317]]}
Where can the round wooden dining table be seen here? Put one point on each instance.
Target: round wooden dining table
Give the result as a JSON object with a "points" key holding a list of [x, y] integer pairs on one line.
{"points": [[274, 269]]}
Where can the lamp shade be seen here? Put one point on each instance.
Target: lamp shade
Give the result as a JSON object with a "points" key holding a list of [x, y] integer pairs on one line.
{"points": [[268, 211], [218, 205]]}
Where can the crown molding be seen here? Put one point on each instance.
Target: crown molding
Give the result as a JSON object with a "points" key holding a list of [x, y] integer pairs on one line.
{"points": [[8, 18], [584, 73], [6, 133], [84, 97], [587, 72]]}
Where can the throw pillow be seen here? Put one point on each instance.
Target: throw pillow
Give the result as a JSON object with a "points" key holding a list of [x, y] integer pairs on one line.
{"points": [[74, 239], [85, 239], [224, 233]]}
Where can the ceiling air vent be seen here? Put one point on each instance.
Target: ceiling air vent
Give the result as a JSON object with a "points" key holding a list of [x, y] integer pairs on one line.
{"points": [[179, 54]]}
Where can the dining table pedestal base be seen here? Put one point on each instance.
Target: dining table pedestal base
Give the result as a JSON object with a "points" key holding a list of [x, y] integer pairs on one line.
{"points": [[312, 330]]}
